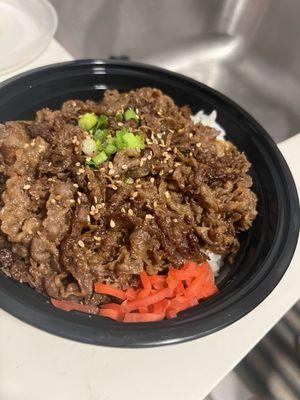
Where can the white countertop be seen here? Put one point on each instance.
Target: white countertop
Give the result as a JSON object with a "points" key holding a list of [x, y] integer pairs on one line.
{"points": [[35, 365]]}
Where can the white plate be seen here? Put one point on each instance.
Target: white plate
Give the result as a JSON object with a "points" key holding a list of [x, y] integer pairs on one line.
{"points": [[26, 28]]}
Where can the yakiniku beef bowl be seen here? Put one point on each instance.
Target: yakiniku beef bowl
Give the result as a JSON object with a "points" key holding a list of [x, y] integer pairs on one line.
{"points": [[138, 207]]}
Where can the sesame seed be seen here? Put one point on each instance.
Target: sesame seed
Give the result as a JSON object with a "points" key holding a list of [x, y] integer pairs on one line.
{"points": [[134, 194], [124, 166], [177, 164], [95, 199], [110, 165], [74, 139], [138, 180], [190, 135], [79, 194], [149, 216], [175, 150], [88, 159], [75, 185], [120, 123], [155, 203], [175, 220], [78, 201], [93, 208], [26, 145], [149, 157], [26, 187], [159, 135], [32, 142], [123, 210], [198, 145], [161, 173], [80, 243], [112, 223], [169, 149], [49, 164], [29, 179], [130, 212], [88, 219], [167, 195], [78, 164], [52, 201], [138, 186], [141, 163], [97, 238], [72, 201], [152, 180], [191, 153]]}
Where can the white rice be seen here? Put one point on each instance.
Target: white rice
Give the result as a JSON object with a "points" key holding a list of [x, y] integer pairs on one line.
{"points": [[215, 260], [209, 120]]}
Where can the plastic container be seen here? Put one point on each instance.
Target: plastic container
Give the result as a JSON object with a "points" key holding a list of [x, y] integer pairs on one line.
{"points": [[266, 249], [26, 28]]}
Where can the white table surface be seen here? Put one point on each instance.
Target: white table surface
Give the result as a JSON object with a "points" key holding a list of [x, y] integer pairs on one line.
{"points": [[35, 365]]}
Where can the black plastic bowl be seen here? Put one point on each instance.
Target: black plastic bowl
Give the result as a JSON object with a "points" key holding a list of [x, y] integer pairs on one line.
{"points": [[266, 249]]}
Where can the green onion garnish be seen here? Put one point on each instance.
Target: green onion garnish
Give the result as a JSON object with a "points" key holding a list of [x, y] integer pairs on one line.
{"points": [[89, 146], [119, 116], [102, 122], [87, 121], [99, 158], [130, 114]]}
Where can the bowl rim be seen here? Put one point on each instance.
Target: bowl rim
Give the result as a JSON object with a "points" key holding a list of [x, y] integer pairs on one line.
{"points": [[240, 303]]}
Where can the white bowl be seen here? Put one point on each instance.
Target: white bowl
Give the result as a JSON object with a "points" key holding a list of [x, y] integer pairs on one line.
{"points": [[26, 29]]}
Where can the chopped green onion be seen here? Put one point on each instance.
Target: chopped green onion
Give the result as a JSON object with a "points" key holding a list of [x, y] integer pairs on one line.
{"points": [[118, 139], [101, 134], [102, 122], [99, 158], [110, 149], [89, 146], [91, 164], [130, 114], [133, 141], [119, 116], [99, 145], [87, 121], [127, 140]]}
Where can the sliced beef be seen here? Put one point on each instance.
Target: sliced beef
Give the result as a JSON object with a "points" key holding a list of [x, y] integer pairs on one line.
{"points": [[65, 226]]}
